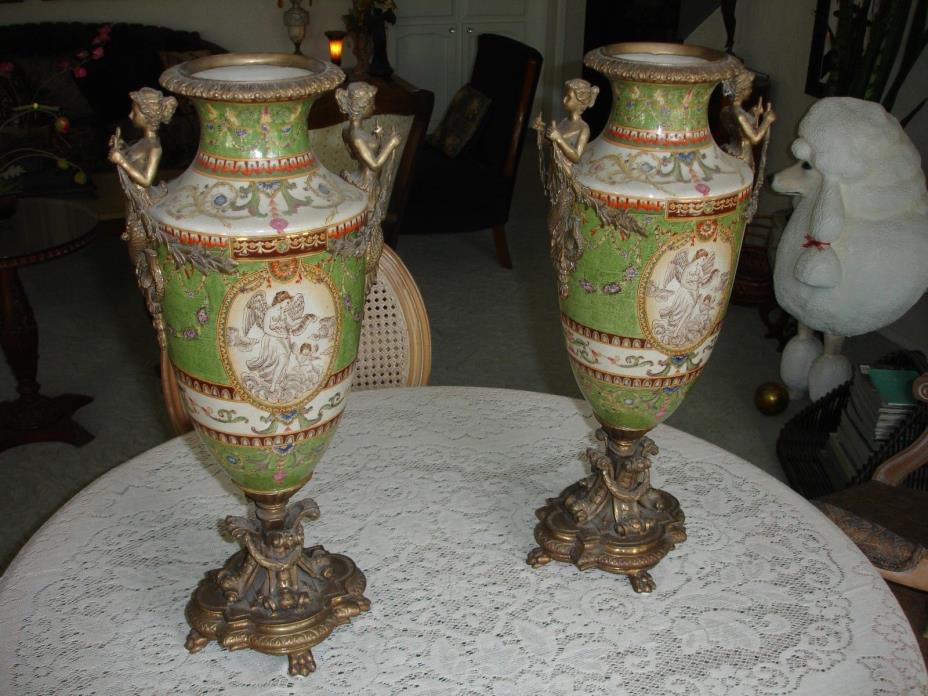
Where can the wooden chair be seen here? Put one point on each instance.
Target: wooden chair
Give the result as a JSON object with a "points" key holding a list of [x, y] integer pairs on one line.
{"points": [[395, 348], [473, 191], [398, 104]]}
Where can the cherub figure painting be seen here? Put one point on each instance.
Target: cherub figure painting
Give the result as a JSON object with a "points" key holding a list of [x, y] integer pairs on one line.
{"points": [[687, 300], [288, 348]]}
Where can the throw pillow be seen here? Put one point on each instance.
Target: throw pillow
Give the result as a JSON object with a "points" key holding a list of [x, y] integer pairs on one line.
{"points": [[461, 121], [883, 548]]}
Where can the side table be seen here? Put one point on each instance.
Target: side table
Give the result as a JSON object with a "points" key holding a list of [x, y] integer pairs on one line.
{"points": [[39, 230]]}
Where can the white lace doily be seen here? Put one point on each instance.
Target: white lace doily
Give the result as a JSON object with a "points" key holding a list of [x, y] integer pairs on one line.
{"points": [[432, 492]]}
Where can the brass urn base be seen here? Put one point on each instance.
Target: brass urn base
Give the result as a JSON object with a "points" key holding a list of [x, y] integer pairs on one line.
{"points": [[613, 519], [275, 596]]}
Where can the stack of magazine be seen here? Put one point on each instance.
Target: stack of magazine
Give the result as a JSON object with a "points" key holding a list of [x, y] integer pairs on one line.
{"points": [[879, 400]]}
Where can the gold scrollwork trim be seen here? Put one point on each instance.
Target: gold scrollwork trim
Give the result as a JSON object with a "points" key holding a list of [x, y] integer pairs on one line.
{"points": [[339, 376], [207, 388], [291, 438], [715, 66], [639, 137], [186, 78], [615, 200], [604, 337], [637, 382], [203, 239], [279, 246], [705, 207], [300, 244], [267, 166]]}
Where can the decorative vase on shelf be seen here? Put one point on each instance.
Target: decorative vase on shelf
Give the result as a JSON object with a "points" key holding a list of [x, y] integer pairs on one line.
{"points": [[253, 265], [646, 225]]}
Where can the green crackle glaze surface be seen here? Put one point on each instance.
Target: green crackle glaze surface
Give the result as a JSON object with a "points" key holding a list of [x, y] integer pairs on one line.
{"points": [[270, 469], [605, 284], [631, 409], [665, 107], [248, 131], [191, 305], [604, 290]]}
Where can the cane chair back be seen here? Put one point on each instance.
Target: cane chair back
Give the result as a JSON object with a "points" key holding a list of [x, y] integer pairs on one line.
{"points": [[395, 349]]}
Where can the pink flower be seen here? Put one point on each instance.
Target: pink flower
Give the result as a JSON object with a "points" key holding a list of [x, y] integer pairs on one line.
{"points": [[279, 224], [702, 188], [83, 55], [97, 53], [6, 67], [79, 71], [279, 476], [103, 35]]}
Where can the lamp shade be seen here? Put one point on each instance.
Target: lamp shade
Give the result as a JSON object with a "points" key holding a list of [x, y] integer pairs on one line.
{"points": [[336, 45]]}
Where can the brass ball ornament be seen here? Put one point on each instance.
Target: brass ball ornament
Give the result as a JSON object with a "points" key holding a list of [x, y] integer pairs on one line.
{"points": [[771, 398]]}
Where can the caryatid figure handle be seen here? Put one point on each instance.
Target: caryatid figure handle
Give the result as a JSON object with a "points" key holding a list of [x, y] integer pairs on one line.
{"points": [[137, 166], [747, 129], [375, 153]]}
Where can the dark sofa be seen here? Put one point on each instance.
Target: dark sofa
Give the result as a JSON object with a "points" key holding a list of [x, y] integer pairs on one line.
{"points": [[134, 56]]}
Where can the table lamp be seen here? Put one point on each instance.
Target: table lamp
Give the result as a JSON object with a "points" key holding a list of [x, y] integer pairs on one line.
{"points": [[336, 45]]}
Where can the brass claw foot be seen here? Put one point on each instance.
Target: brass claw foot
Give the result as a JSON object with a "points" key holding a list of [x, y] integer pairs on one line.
{"points": [[196, 641], [613, 519], [537, 557], [275, 596], [302, 663], [642, 582]]}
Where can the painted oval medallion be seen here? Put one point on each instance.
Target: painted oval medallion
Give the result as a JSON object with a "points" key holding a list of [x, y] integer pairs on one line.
{"points": [[684, 293], [278, 338]]}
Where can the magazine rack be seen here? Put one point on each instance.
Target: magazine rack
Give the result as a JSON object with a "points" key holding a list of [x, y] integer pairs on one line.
{"points": [[804, 436]]}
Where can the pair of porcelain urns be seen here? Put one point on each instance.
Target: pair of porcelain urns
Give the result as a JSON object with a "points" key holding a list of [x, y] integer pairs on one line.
{"points": [[253, 263]]}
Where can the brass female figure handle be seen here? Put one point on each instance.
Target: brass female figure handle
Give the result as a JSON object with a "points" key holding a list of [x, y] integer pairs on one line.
{"points": [[137, 165], [747, 129], [375, 153]]}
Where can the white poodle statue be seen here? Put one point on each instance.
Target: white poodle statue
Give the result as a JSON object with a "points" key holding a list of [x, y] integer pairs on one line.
{"points": [[854, 255]]}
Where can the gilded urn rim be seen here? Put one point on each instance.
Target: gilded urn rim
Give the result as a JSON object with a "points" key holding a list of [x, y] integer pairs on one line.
{"points": [[187, 79], [715, 66]]}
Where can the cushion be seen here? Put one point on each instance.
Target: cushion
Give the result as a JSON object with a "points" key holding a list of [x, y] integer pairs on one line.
{"points": [[461, 121], [883, 548]]}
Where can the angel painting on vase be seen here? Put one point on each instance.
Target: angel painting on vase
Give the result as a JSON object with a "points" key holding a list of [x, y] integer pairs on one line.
{"points": [[685, 301], [292, 346]]}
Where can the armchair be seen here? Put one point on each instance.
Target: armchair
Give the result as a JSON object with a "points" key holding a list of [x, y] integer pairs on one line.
{"points": [[473, 190]]}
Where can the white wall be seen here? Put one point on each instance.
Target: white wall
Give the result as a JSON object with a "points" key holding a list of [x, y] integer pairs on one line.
{"points": [[237, 25], [774, 37]]}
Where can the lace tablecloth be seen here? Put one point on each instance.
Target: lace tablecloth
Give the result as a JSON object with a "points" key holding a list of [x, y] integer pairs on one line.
{"points": [[432, 492]]}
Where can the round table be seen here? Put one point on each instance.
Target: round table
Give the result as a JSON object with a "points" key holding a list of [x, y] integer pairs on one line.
{"points": [[432, 492], [40, 230]]}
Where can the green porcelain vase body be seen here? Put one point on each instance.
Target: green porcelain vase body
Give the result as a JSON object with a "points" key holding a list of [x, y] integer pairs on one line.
{"points": [[643, 306], [263, 296]]}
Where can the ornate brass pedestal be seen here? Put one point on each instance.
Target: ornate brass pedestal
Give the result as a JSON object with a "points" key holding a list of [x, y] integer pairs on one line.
{"points": [[613, 519], [275, 596]]}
